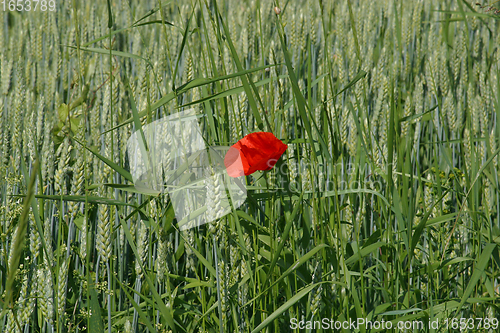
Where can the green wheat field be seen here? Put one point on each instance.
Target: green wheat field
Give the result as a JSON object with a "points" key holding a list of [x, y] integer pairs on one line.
{"points": [[382, 212]]}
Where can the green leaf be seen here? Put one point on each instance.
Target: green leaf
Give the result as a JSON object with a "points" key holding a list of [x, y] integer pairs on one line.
{"points": [[186, 87], [113, 52], [166, 312], [285, 307], [75, 123], [420, 227], [364, 252], [284, 237], [153, 22], [480, 15], [479, 268], [244, 79], [151, 12], [231, 91], [62, 113], [125, 29], [134, 189], [105, 36], [81, 198], [110, 15], [354, 32], [95, 320], [202, 259], [78, 221], [181, 48], [358, 77], [416, 116], [292, 268], [301, 101], [441, 219], [400, 312], [136, 306], [138, 127], [111, 164], [18, 241], [204, 81]]}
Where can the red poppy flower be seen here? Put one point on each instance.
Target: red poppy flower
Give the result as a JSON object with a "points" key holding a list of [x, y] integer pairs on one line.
{"points": [[256, 151]]}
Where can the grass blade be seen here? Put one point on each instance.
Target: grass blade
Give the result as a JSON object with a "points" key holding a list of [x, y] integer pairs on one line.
{"points": [[18, 241], [479, 268], [110, 163], [297, 297]]}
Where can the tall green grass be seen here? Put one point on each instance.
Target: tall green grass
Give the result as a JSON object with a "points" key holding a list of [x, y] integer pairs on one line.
{"points": [[384, 207]]}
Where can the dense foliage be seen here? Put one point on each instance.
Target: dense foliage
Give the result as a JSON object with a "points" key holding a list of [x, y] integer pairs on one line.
{"points": [[384, 206]]}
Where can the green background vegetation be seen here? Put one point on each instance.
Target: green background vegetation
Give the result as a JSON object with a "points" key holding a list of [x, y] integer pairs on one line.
{"points": [[385, 205]]}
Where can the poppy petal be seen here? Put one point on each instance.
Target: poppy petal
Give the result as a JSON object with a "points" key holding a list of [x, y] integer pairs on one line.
{"points": [[256, 151], [233, 163]]}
